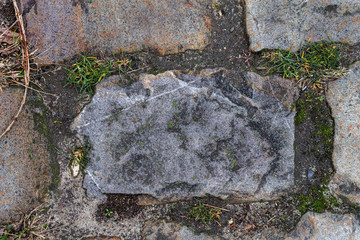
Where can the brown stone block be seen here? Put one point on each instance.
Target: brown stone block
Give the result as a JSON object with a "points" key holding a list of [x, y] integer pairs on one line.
{"points": [[59, 30]]}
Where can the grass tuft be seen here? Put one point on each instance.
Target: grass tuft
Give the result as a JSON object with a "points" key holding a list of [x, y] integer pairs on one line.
{"points": [[78, 159], [205, 213], [314, 64], [87, 73], [80, 156]]}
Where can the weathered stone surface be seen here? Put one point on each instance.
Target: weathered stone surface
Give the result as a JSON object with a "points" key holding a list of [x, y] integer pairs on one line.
{"points": [[313, 226], [60, 29], [24, 168], [344, 98], [172, 231], [175, 136], [284, 23]]}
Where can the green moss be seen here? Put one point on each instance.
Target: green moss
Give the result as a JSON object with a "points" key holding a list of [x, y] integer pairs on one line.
{"points": [[326, 132], [300, 116], [40, 120], [232, 165], [171, 124], [312, 109], [305, 105], [317, 199]]}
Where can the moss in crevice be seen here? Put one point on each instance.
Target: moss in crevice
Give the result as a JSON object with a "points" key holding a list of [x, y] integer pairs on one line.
{"points": [[313, 108], [314, 138], [40, 121], [318, 198]]}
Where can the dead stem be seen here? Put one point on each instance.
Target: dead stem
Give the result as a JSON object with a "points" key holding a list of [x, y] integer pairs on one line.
{"points": [[25, 63], [39, 91]]}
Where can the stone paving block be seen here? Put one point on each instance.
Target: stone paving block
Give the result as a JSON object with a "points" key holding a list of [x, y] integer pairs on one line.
{"points": [[175, 136], [61, 29], [344, 98], [284, 24], [24, 159], [329, 226]]}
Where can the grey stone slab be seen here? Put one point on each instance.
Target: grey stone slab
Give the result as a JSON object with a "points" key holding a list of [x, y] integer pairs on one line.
{"points": [[24, 159], [281, 24], [61, 29], [176, 136], [329, 226], [344, 98]]}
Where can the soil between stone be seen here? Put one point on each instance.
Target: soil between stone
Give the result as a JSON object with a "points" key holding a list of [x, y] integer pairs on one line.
{"points": [[245, 219], [125, 206], [314, 134], [7, 12]]}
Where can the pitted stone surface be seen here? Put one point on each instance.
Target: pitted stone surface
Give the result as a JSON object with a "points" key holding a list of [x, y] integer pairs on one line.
{"points": [[313, 226], [344, 98], [24, 159], [175, 136], [291, 23], [60, 29]]}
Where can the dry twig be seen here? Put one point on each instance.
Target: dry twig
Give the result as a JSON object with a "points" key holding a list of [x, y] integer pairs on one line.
{"points": [[36, 90], [223, 209], [25, 63]]}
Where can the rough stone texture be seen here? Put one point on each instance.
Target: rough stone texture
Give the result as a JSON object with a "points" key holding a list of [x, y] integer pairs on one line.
{"points": [[60, 29], [282, 23], [24, 168], [172, 231], [344, 98], [175, 136], [313, 226]]}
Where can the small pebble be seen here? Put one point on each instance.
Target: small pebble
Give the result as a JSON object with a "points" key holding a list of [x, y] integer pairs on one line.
{"points": [[310, 174]]}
